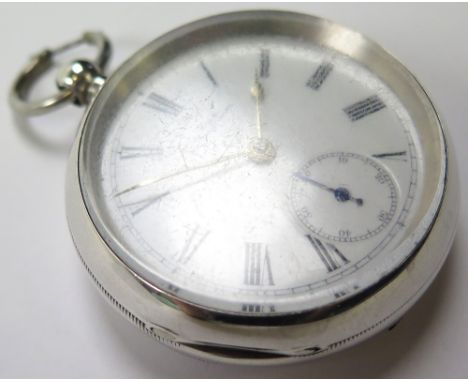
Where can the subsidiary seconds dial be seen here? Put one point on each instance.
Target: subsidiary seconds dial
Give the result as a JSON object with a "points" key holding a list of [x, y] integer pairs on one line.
{"points": [[344, 196]]}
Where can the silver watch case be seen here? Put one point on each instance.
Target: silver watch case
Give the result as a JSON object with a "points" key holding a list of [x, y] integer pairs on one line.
{"points": [[221, 337]]}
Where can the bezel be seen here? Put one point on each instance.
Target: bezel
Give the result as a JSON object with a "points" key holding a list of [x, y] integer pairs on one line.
{"points": [[322, 32]]}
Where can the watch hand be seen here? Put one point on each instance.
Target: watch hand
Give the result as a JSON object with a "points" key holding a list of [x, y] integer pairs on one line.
{"points": [[341, 194], [312, 181], [147, 201], [260, 149], [150, 181], [258, 93]]}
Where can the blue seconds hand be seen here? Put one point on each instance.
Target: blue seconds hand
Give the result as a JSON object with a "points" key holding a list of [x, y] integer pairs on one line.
{"points": [[341, 194]]}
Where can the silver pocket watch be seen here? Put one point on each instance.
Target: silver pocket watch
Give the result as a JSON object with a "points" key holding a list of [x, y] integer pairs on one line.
{"points": [[255, 187]]}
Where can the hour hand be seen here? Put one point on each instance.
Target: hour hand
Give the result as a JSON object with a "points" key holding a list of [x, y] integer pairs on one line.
{"points": [[260, 149], [258, 93]]}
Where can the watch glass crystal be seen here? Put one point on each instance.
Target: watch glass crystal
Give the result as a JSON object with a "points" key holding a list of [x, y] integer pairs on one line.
{"points": [[259, 173]]}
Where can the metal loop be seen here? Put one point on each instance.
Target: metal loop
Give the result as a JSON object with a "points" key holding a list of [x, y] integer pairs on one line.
{"points": [[43, 61]]}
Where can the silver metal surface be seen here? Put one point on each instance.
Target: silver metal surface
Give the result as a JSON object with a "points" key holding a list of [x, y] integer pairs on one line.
{"points": [[78, 81], [203, 335], [233, 338]]}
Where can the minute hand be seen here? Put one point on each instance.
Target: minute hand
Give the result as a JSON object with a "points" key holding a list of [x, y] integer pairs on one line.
{"points": [[150, 181]]}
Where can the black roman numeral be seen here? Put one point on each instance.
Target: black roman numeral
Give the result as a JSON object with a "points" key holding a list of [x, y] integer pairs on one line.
{"points": [[257, 269], [398, 155], [364, 108], [264, 63], [330, 256], [159, 103], [257, 308], [208, 73], [137, 207], [319, 76], [129, 152], [196, 238]]}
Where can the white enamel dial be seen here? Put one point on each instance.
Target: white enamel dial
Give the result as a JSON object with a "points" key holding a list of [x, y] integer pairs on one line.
{"points": [[260, 176]]}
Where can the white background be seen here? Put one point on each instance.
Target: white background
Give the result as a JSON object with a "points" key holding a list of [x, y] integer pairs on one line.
{"points": [[53, 322]]}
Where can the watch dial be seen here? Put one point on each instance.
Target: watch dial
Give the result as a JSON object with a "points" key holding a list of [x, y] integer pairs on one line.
{"points": [[259, 175]]}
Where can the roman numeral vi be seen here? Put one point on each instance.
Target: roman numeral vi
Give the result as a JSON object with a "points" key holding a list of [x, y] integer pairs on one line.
{"points": [[257, 270]]}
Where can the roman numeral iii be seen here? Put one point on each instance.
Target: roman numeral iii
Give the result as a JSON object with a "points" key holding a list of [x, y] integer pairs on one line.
{"points": [[364, 108], [257, 266]]}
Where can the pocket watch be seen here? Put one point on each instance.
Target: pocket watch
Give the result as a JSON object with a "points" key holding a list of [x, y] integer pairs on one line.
{"points": [[255, 187]]}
